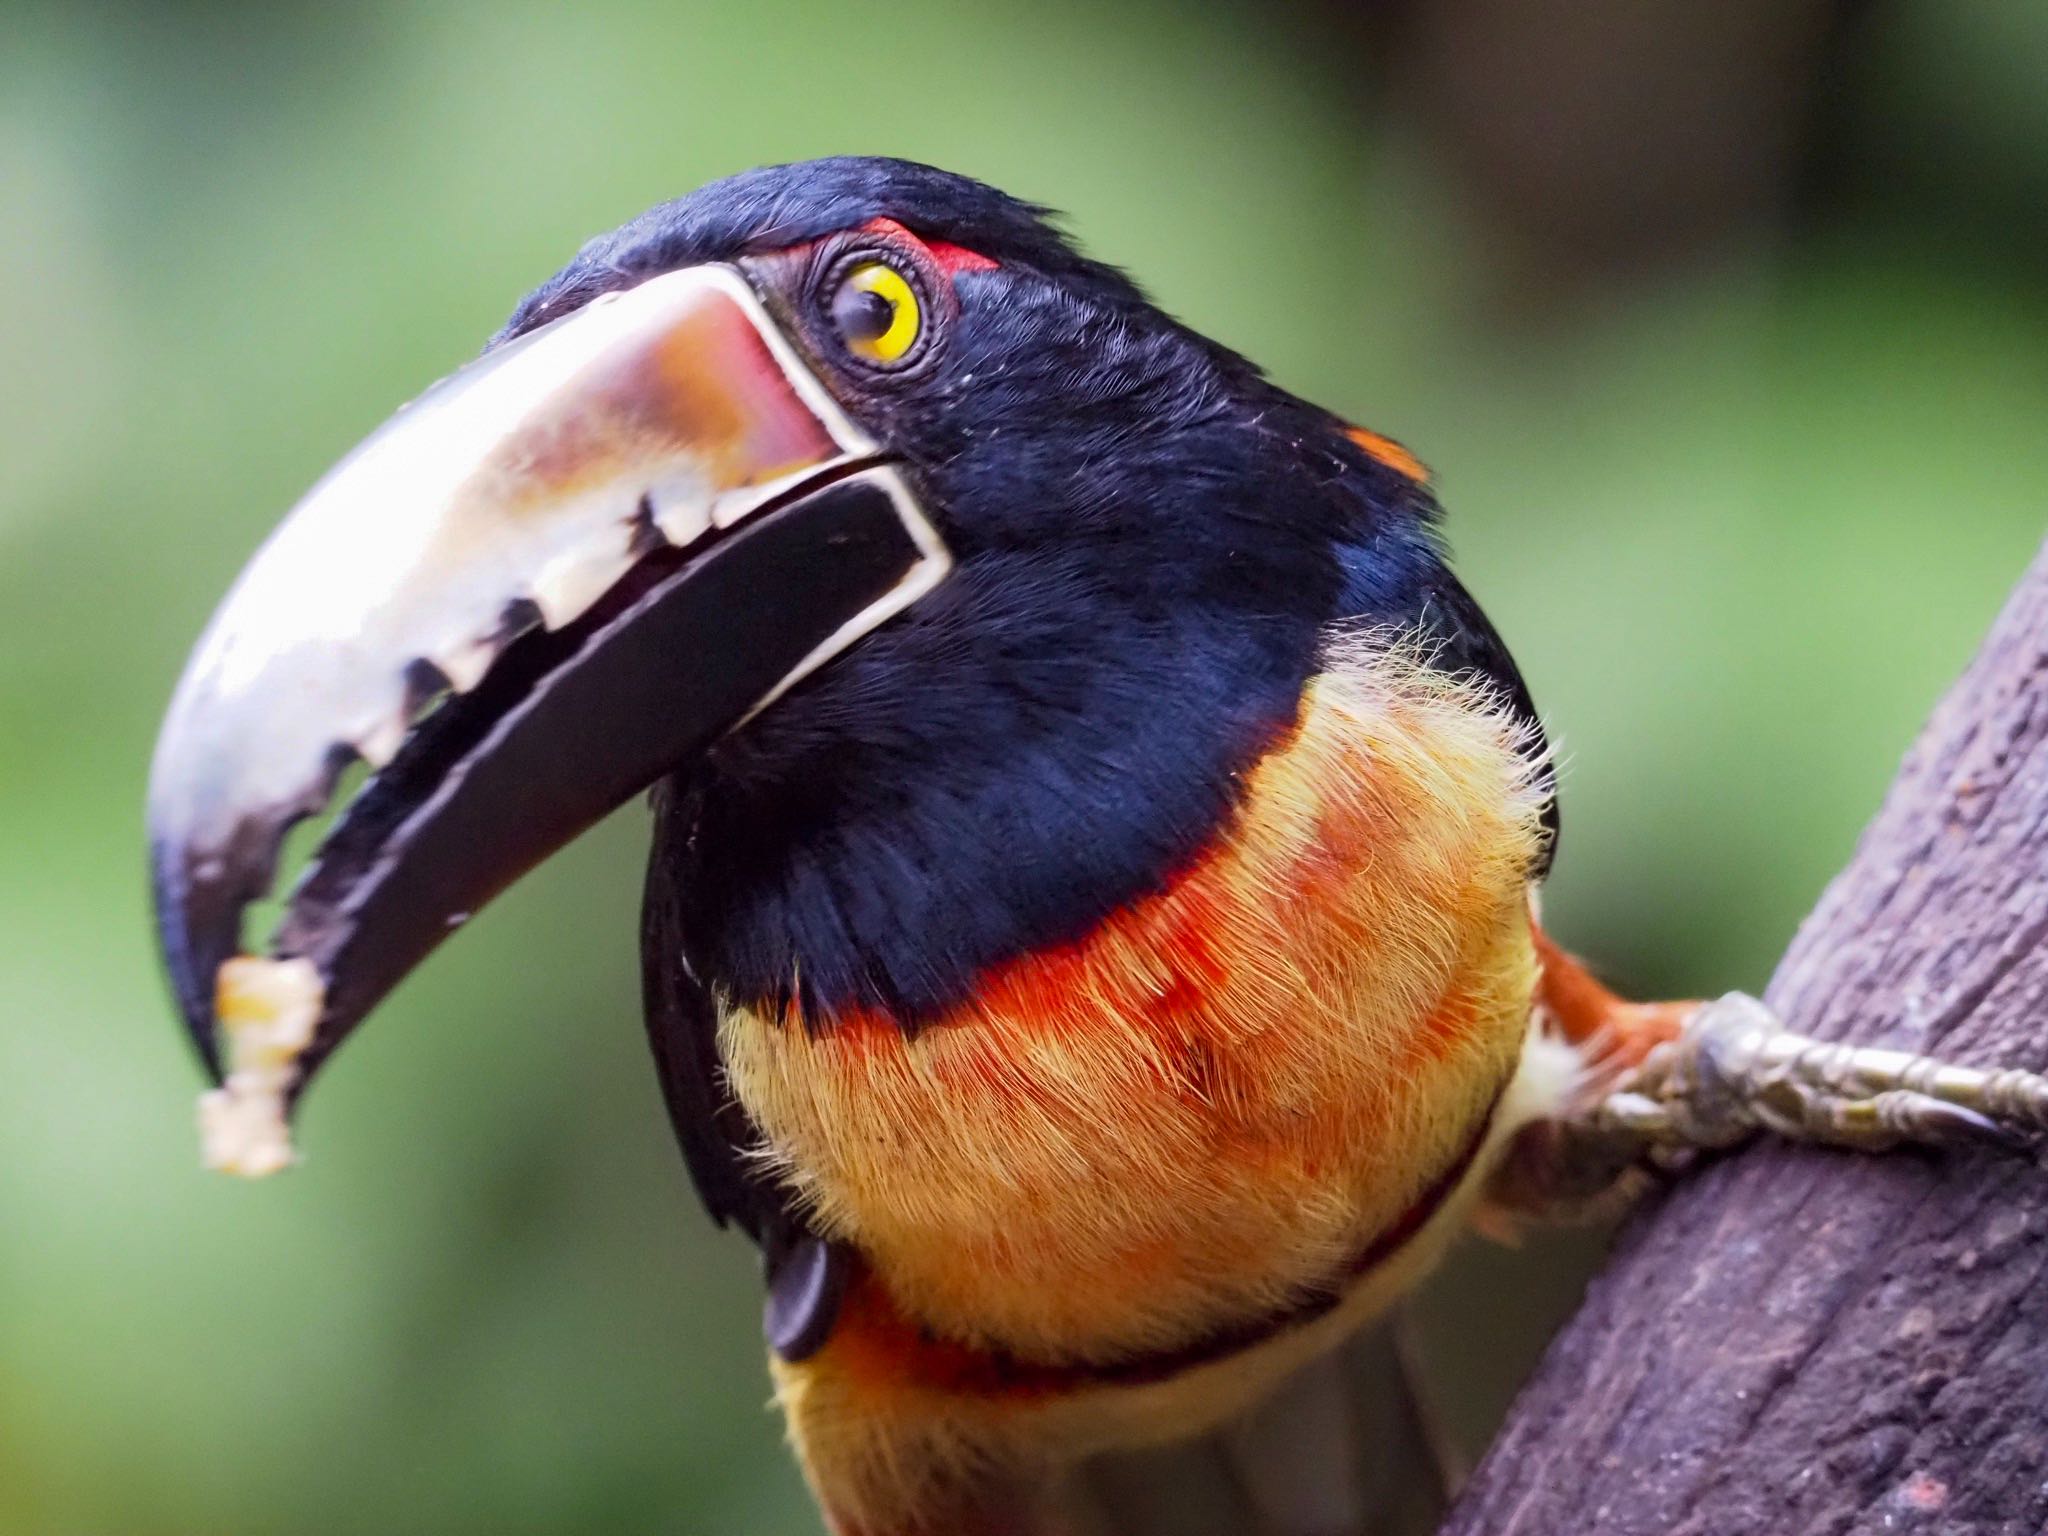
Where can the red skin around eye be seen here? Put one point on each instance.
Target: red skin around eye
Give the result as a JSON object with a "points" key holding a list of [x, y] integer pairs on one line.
{"points": [[950, 259]]}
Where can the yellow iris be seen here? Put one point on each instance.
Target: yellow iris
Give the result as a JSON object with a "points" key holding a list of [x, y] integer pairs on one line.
{"points": [[884, 343]]}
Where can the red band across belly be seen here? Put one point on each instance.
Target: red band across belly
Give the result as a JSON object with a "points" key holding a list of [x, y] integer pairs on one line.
{"points": [[871, 1324]]}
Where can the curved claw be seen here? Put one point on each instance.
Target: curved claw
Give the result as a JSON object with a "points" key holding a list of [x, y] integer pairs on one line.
{"points": [[1918, 1117]]}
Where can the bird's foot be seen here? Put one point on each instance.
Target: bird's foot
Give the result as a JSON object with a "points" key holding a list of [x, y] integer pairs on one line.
{"points": [[1733, 1070], [1664, 1083]]}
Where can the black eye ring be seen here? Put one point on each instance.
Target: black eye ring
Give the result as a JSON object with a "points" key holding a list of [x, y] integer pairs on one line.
{"points": [[876, 307]]}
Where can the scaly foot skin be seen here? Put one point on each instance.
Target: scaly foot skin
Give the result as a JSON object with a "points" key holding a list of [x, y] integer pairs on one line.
{"points": [[1734, 1070]]}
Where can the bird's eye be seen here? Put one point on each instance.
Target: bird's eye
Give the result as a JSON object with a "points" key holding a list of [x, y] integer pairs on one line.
{"points": [[877, 313]]}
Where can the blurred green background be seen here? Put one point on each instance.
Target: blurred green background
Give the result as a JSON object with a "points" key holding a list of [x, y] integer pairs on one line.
{"points": [[1725, 328]]}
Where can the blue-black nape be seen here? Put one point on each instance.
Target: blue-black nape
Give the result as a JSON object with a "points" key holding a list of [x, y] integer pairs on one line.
{"points": [[776, 206]]}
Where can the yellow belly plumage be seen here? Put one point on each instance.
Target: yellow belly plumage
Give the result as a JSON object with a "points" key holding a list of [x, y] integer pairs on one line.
{"points": [[1200, 1112]]}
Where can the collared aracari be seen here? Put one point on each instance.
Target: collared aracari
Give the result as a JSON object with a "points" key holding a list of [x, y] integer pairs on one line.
{"points": [[1090, 936]]}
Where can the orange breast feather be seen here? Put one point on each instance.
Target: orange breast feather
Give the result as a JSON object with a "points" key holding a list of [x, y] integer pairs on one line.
{"points": [[1215, 1099]]}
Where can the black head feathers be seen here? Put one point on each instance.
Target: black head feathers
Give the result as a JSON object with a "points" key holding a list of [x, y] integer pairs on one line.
{"points": [[776, 206]]}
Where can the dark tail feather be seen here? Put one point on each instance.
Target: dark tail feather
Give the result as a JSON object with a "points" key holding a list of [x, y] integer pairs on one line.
{"points": [[1345, 1447]]}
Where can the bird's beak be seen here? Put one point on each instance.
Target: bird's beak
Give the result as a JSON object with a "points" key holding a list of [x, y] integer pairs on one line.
{"points": [[535, 591]]}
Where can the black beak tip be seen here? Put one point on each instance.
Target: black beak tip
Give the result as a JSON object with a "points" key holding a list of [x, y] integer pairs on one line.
{"points": [[203, 877], [192, 947]]}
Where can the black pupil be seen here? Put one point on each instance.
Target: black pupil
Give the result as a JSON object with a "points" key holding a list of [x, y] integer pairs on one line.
{"points": [[862, 314]]}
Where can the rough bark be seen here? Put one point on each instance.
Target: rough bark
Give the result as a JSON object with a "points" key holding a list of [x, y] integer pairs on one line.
{"points": [[1793, 1341]]}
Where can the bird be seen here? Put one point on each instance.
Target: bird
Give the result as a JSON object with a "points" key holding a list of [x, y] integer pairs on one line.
{"points": [[1092, 937]]}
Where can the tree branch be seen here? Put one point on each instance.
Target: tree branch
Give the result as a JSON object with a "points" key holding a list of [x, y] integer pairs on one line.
{"points": [[1794, 1341]]}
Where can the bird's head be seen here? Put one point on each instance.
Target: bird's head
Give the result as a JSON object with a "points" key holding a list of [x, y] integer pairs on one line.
{"points": [[944, 584]]}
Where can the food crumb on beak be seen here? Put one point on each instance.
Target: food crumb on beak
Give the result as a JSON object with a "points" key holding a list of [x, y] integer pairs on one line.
{"points": [[267, 1010]]}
